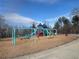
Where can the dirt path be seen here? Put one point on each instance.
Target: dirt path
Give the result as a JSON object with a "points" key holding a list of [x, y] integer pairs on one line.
{"points": [[67, 51]]}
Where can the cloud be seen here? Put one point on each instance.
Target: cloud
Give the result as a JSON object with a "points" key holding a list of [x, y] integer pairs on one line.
{"points": [[51, 21], [45, 1], [19, 19], [16, 19]]}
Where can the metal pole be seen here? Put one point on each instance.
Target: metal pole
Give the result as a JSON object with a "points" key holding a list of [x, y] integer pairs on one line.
{"points": [[13, 37]]}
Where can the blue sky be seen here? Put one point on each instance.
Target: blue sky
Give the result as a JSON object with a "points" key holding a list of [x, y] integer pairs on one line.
{"points": [[37, 10]]}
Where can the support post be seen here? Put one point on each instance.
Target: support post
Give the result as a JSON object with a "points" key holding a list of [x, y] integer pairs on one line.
{"points": [[13, 37]]}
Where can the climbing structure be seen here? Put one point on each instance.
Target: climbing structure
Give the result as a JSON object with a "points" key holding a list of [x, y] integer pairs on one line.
{"points": [[33, 32]]}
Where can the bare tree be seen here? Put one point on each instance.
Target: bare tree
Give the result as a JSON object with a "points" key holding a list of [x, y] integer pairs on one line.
{"points": [[75, 11], [75, 20]]}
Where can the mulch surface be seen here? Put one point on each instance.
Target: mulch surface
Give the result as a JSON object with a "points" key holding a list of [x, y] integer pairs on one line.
{"points": [[33, 45]]}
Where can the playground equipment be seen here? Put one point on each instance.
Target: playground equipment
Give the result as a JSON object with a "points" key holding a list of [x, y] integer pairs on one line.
{"points": [[14, 36], [33, 32]]}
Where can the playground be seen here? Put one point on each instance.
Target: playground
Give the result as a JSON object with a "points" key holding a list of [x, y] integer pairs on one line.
{"points": [[28, 46], [24, 41], [40, 31]]}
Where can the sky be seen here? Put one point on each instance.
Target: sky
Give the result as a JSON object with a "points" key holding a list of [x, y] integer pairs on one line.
{"points": [[29, 11]]}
